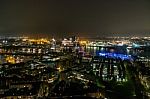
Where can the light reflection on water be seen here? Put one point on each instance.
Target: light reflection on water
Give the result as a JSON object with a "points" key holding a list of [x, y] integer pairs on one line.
{"points": [[143, 52], [94, 50]]}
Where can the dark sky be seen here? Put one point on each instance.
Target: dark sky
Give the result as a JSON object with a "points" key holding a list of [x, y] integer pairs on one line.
{"points": [[84, 17]]}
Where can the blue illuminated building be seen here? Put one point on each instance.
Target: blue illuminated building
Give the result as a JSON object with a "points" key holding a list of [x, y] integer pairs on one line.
{"points": [[114, 55]]}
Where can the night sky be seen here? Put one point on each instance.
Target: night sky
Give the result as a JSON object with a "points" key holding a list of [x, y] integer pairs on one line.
{"points": [[75, 17]]}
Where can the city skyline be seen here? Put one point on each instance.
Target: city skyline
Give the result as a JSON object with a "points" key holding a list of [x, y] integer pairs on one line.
{"points": [[68, 49]]}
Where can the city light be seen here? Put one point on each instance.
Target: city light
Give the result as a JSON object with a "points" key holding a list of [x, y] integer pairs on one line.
{"points": [[83, 42], [39, 41], [114, 55], [10, 59], [79, 49], [70, 61]]}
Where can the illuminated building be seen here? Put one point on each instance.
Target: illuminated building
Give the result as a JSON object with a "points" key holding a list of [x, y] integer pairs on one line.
{"points": [[10, 59], [114, 55]]}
